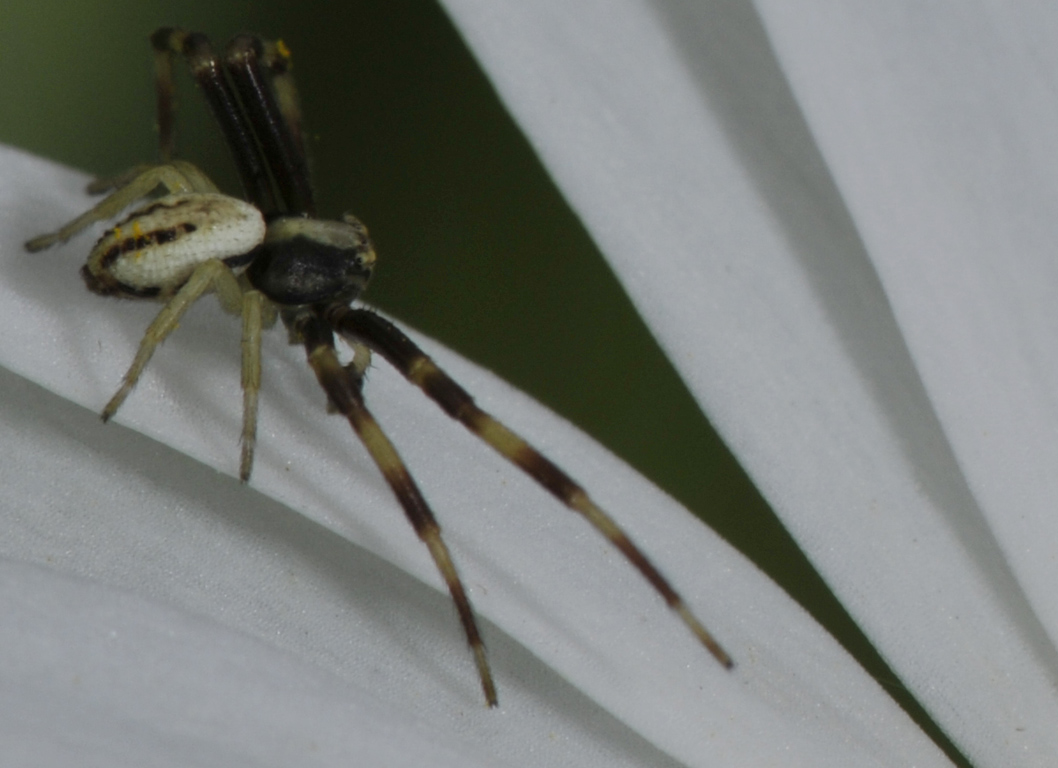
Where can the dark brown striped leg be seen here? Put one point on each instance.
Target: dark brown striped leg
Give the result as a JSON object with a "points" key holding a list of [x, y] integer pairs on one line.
{"points": [[359, 325], [205, 69], [277, 61], [260, 72], [343, 390]]}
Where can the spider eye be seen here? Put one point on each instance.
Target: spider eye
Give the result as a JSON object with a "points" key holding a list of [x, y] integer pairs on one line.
{"points": [[308, 261]]}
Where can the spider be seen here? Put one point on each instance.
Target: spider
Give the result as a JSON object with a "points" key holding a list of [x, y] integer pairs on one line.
{"points": [[272, 258]]}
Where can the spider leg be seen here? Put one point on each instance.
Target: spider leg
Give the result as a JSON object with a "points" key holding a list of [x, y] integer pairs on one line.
{"points": [[207, 73], [382, 336], [344, 392], [174, 177], [361, 359], [165, 43], [212, 274], [107, 183], [270, 99], [277, 61], [252, 311]]}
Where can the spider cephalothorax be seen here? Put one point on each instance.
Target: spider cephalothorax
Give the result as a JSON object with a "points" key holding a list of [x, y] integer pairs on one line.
{"points": [[308, 261], [271, 257]]}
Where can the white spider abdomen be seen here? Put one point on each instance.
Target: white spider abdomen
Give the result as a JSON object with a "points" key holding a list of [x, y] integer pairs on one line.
{"points": [[155, 249]]}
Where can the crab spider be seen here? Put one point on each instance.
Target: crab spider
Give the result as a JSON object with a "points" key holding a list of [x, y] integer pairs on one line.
{"points": [[271, 257]]}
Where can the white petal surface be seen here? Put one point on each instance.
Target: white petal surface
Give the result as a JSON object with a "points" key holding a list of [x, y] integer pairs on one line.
{"points": [[751, 199], [592, 670], [94, 676]]}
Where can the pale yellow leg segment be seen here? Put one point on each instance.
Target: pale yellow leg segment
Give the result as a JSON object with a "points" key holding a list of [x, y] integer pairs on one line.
{"points": [[212, 274], [361, 359], [174, 178], [443, 558], [105, 184], [252, 302]]}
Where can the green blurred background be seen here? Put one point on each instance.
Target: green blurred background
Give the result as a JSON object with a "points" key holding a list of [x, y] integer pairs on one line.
{"points": [[477, 247]]}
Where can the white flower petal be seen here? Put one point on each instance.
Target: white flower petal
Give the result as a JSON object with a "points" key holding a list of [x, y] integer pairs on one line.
{"points": [[941, 139], [746, 196], [115, 507], [95, 676]]}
